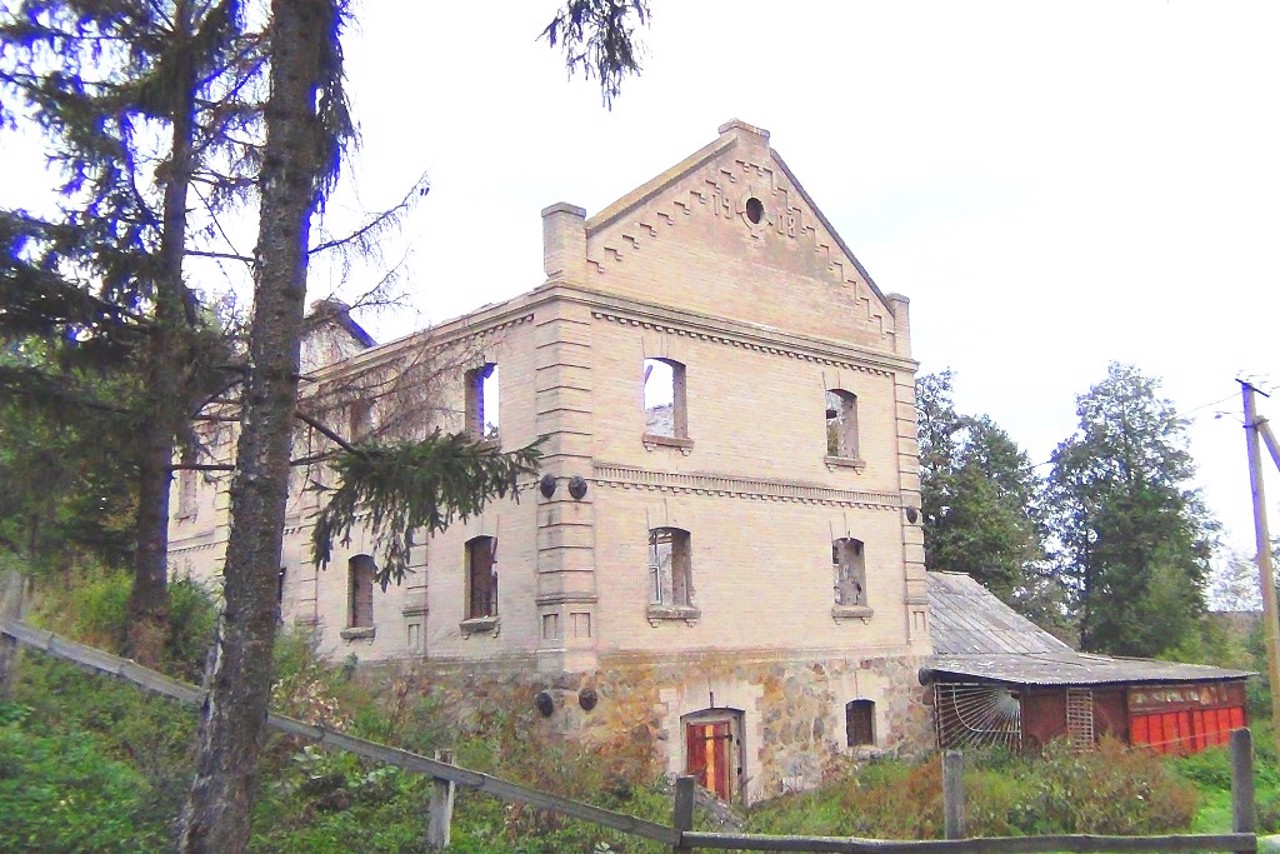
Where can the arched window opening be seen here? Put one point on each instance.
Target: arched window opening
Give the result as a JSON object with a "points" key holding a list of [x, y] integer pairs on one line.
{"points": [[670, 568], [860, 722], [481, 410], [482, 577], [361, 570], [848, 560], [665, 410], [842, 424]]}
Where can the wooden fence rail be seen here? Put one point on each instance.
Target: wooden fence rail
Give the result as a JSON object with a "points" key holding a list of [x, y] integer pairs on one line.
{"points": [[95, 659], [682, 838]]}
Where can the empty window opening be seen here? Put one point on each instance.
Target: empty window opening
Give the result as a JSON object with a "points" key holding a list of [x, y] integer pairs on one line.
{"points": [[664, 399], [482, 577], [755, 210], [281, 577], [188, 484], [670, 567], [860, 722], [360, 573], [842, 424], [482, 402], [848, 559], [361, 415]]}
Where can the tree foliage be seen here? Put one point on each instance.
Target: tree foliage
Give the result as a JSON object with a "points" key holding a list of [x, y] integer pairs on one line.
{"points": [[138, 104], [67, 494], [599, 40], [415, 486], [1133, 536], [979, 495]]}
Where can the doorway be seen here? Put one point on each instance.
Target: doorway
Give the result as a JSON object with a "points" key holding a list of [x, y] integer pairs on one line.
{"points": [[713, 750]]}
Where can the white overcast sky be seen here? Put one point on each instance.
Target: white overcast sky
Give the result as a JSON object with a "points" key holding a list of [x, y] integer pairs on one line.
{"points": [[1054, 185]]}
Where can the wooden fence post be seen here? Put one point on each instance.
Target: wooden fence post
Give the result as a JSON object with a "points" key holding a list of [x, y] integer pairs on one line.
{"points": [[1243, 814], [440, 816], [13, 594], [953, 794], [683, 814]]}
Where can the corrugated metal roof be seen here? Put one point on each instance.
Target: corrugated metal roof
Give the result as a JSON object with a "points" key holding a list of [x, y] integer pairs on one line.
{"points": [[976, 636], [1074, 668]]}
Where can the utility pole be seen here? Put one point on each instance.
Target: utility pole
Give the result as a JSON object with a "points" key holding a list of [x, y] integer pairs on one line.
{"points": [[1269, 614]]}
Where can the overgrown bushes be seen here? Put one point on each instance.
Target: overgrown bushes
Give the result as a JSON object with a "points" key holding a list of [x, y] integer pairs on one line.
{"points": [[91, 764], [1110, 790]]}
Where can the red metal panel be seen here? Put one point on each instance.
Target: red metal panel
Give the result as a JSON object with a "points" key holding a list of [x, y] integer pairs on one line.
{"points": [[1170, 732], [1139, 729]]}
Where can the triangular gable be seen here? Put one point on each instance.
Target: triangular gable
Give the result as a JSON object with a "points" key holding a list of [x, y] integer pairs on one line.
{"points": [[730, 231]]}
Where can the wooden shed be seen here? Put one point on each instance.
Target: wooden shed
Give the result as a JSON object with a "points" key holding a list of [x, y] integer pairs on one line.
{"points": [[996, 678]]}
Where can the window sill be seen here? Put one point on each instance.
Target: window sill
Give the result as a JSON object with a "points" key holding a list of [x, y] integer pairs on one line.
{"points": [[358, 633], [658, 613], [852, 612], [854, 463], [480, 626], [653, 440]]}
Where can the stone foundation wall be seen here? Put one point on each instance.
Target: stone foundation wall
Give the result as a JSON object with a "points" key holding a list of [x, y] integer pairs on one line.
{"points": [[792, 708]]}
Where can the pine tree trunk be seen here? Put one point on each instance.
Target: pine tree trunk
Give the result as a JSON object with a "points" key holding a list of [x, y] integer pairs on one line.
{"points": [[149, 597], [233, 720]]}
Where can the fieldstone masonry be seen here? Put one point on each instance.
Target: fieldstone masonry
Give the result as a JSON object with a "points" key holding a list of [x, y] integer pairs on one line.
{"points": [[723, 268]]}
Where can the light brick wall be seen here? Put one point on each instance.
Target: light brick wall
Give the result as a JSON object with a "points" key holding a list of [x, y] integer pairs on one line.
{"points": [[766, 317]]}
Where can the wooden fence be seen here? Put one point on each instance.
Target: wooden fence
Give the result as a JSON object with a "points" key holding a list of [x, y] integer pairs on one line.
{"points": [[681, 837]]}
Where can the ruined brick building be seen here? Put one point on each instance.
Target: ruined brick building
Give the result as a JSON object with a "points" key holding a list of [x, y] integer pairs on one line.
{"points": [[729, 565]]}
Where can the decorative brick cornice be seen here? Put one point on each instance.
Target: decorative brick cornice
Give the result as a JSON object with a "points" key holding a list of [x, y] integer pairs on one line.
{"points": [[618, 476], [740, 341]]}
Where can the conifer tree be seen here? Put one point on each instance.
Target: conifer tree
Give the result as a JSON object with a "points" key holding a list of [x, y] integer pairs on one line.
{"points": [[307, 129], [980, 498], [137, 101], [1134, 537]]}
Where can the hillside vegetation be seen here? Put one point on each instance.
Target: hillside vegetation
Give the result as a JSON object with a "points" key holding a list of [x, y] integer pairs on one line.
{"points": [[92, 764]]}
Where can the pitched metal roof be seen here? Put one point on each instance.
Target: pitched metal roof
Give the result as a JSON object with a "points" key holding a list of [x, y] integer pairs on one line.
{"points": [[966, 618], [978, 637]]}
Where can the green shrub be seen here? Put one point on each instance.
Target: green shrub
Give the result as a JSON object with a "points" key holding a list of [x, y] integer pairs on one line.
{"points": [[1209, 769], [94, 610], [63, 793], [1109, 790]]}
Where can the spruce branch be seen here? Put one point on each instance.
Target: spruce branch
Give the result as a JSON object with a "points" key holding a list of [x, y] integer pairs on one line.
{"points": [[400, 487]]}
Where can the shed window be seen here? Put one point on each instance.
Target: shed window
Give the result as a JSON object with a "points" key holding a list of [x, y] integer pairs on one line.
{"points": [[360, 572], [860, 722], [848, 560], [842, 424], [665, 410], [482, 577], [670, 568], [481, 411]]}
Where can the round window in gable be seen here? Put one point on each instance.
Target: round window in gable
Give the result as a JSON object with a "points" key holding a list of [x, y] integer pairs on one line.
{"points": [[755, 210]]}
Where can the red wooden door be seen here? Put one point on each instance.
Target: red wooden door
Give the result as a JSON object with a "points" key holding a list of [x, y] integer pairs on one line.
{"points": [[709, 748]]}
